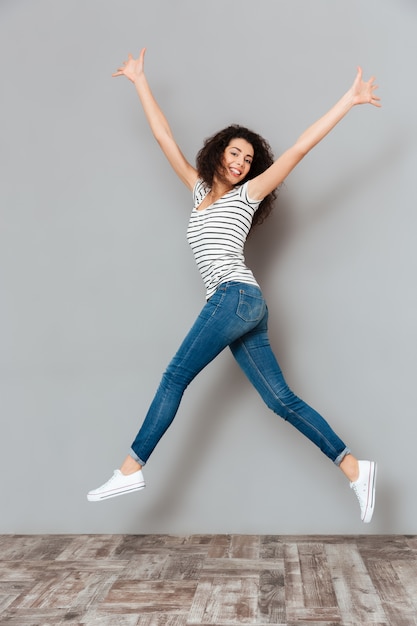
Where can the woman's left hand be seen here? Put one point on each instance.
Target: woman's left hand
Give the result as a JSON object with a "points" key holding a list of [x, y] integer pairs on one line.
{"points": [[364, 92]]}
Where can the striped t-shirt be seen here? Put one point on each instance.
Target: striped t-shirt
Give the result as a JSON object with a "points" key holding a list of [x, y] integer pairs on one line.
{"points": [[217, 236]]}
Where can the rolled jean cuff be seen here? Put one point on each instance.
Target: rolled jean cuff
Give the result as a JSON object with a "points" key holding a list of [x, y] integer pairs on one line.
{"points": [[136, 458], [341, 456]]}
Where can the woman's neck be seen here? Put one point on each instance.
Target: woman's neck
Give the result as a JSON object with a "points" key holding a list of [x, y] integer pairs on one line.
{"points": [[219, 188]]}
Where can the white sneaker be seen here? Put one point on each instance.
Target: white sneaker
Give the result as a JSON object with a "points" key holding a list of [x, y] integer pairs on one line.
{"points": [[364, 488], [118, 485]]}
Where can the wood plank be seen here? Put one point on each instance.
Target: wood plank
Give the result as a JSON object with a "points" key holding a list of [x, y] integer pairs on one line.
{"points": [[88, 547], [271, 600], [407, 573], [316, 577], [237, 567], [394, 598], [357, 597], [31, 617], [225, 600], [150, 596], [33, 547], [219, 547], [244, 547], [272, 547]]}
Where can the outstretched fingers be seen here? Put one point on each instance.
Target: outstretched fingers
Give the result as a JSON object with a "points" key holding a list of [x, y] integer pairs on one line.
{"points": [[121, 70], [132, 67], [374, 99], [364, 91]]}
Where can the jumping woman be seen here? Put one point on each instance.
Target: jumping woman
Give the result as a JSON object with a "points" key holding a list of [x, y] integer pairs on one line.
{"points": [[234, 185]]}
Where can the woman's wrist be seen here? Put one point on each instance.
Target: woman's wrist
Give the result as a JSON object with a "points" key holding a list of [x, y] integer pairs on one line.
{"points": [[348, 99], [138, 78]]}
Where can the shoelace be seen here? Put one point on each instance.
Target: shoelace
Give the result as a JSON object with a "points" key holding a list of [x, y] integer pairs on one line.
{"points": [[360, 496], [110, 479]]}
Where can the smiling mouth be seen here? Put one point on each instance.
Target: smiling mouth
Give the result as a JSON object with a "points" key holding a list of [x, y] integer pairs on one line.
{"points": [[235, 172]]}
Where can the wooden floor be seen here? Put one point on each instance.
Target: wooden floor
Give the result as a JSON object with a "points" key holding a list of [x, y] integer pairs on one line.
{"points": [[215, 580]]}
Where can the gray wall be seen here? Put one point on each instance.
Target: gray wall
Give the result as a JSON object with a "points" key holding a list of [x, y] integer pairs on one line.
{"points": [[98, 285]]}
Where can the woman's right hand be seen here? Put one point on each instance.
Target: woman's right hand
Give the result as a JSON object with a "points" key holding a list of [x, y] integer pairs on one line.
{"points": [[132, 68]]}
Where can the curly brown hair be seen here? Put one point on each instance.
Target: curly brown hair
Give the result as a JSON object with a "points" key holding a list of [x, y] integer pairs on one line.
{"points": [[209, 158]]}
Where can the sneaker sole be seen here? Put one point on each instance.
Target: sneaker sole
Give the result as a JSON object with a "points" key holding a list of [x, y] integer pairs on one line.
{"points": [[371, 494], [96, 497]]}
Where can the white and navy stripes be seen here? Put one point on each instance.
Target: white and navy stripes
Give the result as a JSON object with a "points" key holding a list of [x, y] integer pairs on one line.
{"points": [[217, 236]]}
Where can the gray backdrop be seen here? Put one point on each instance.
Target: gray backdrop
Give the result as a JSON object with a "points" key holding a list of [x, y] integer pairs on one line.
{"points": [[98, 285]]}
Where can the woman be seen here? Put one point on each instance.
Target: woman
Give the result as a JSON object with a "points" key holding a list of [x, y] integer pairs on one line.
{"points": [[233, 188]]}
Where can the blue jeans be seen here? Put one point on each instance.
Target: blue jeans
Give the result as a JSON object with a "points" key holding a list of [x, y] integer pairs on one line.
{"points": [[235, 316]]}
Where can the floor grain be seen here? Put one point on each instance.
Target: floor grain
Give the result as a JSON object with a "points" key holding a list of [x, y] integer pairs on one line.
{"points": [[210, 580]]}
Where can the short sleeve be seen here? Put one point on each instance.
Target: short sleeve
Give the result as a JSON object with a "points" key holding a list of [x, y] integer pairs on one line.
{"points": [[199, 192], [243, 192]]}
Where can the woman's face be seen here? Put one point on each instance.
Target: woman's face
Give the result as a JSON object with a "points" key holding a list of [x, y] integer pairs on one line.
{"points": [[237, 160]]}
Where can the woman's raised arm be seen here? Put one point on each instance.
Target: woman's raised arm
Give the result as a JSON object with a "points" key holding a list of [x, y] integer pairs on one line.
{"points": [[133, 69], [361, 92]]}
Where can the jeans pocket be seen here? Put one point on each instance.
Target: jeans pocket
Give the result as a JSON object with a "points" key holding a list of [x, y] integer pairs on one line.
{"points": [[250, 308]]}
